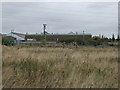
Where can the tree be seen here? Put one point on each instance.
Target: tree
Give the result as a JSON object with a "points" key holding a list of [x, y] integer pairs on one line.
{"points": [[113, 38], [118, 38], [102, 37], [109, 39]]}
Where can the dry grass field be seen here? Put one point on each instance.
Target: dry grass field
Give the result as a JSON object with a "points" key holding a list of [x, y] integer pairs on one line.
{"points": [[82, 67]]}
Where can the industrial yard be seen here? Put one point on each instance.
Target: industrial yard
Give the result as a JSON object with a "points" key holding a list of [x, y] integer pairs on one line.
{"points": [[59, 44]]}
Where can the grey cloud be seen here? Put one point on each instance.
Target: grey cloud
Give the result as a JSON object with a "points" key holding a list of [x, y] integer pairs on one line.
{"points": [[94, 18]]}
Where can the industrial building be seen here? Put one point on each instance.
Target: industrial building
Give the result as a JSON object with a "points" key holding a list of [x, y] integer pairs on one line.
{"points": [[59, 37], [18, 37]]}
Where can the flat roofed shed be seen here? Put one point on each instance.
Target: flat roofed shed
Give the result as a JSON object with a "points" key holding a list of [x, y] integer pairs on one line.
{"points": [[56, 37]]}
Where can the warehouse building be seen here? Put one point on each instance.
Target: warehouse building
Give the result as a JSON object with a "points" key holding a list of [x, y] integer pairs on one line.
{"points": [[49, 37], [12, 38], [59, 37]]}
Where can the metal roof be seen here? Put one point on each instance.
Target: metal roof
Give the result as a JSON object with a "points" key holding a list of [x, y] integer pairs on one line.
{"points": [[19, 34]]}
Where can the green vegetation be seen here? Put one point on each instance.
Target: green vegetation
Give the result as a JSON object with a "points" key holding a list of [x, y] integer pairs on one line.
{"points": [[8, 40]]}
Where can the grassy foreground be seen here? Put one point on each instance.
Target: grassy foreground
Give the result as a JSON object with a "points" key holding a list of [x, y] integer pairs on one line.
{"points": [[37, 67]]}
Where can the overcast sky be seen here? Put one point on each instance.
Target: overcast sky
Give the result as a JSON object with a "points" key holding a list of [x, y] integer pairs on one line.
{"points": [[61, 17]]}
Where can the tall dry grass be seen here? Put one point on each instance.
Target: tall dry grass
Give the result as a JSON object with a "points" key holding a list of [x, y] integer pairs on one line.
{"points": [[37, 67]]}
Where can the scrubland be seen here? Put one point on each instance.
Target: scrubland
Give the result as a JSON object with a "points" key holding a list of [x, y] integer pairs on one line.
{"points": [[43, 67]]}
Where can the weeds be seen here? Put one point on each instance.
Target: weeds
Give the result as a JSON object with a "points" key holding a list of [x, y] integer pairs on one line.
{"points": [[60, 68], [28, 66]]}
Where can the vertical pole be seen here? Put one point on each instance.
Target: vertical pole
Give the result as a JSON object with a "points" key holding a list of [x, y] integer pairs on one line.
{"points": [[83, 37], [100, 36], [76, 36], [12, 32], [44, 27], [76, 40]]}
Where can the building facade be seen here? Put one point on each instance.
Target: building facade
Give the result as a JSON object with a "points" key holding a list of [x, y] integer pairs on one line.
{"points": [[59, 37]]}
